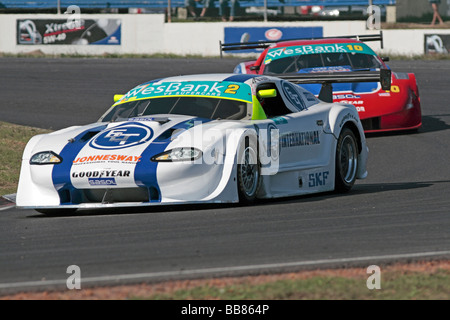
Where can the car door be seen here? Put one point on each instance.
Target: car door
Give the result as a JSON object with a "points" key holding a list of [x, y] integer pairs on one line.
{"points": [[301, 134]]}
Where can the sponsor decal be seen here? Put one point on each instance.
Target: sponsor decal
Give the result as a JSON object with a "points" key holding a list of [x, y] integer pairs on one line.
{"points": [[101, 174], [220, 89], [279, 53], [309, 96], [102, 182], [122, 136], [273, 34], [298, 139], [68, 32], [107, 158], [347, 117], [437, 43], [280, 120], [395, 89], [330, 69], [318, 179], [357, 104], [345, 96], [291, 93]]}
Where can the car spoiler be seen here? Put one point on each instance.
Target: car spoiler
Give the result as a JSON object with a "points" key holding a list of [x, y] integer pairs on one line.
{"points": [[328, 78], [266, 44]]}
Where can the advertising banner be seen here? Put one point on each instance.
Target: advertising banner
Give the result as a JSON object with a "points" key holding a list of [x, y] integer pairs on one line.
{"points": [[69, 32], [437, 43]]}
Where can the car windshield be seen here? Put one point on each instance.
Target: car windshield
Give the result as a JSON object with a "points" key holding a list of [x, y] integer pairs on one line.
{"points": [[202, 107], [322, 62]]}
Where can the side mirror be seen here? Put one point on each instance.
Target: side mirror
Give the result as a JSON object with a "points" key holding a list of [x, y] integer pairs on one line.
{"points": [[117, 97], [254, 68], [385, 59], [385, 79], [267, 93]]}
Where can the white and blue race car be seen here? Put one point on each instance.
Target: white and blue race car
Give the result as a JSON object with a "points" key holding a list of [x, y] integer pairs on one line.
{"points": [[213, 138]]}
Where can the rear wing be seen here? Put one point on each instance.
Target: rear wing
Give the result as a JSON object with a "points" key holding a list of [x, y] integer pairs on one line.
{"points": [[266, 44], [328, 78]]}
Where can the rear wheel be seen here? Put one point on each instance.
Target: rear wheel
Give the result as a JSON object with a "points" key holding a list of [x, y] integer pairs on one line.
{"points": [[248, 172], [346, 161]]}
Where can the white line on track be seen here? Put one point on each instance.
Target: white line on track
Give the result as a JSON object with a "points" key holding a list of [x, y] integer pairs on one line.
{"points": [[206, 271], [7, 207], [7, 202]]}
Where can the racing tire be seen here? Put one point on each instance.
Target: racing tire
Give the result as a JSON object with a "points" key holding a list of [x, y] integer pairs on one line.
{"points": [[346, 161], [248, 171]]}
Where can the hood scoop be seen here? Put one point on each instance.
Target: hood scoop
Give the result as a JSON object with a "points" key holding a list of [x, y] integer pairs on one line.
{"points": [[161, 120], [89, 135]]}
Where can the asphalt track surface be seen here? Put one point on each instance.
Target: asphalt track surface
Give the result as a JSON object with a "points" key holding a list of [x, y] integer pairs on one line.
{"points": [[401, 212]]}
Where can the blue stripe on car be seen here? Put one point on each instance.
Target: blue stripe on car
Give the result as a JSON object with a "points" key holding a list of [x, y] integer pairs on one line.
{"points": [[145, 174], [240, 77], [61, 172]]}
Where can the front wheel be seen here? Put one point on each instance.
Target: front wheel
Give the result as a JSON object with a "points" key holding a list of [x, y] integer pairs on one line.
{"points": [[248, 172], [346, 161]]}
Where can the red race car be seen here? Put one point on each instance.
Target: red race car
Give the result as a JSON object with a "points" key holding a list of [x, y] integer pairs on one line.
{"points": [[379, 110]]}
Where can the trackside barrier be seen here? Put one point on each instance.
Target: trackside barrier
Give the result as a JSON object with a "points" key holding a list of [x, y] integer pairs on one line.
{"points": [[149, 34], [104, 4]]}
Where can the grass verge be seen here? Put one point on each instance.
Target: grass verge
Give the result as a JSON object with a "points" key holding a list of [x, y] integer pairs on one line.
{"points": [[427, 280], [13, 139]]}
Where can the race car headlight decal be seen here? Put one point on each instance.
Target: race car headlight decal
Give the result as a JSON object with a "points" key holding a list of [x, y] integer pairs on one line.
{"points": [[46, 157], [178, 154]]}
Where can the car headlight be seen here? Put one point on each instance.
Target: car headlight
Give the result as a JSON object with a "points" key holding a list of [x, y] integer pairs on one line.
{"points": [[178, 154], [46, 157]]}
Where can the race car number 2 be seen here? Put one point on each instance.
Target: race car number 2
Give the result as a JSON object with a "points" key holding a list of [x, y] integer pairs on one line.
{"points": [[232, 89]]}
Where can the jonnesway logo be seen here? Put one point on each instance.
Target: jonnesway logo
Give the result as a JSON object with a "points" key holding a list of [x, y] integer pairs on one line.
{"points": [[122, 136]]}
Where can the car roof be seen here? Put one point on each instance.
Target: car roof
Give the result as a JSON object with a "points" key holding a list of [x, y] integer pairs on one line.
{"points": [[232, 77]]}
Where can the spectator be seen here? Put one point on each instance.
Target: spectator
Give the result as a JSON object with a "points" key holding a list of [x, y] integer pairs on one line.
{"points": [[222, 9], [207, 4], [190, 6], [436, 15]]}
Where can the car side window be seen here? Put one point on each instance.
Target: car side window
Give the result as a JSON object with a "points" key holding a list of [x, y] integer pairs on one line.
{"points": [[273, 107]]}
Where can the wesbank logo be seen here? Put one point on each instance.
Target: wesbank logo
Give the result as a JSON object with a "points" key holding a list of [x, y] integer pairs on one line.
{"points": [[225, 89], [278, 53]]}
